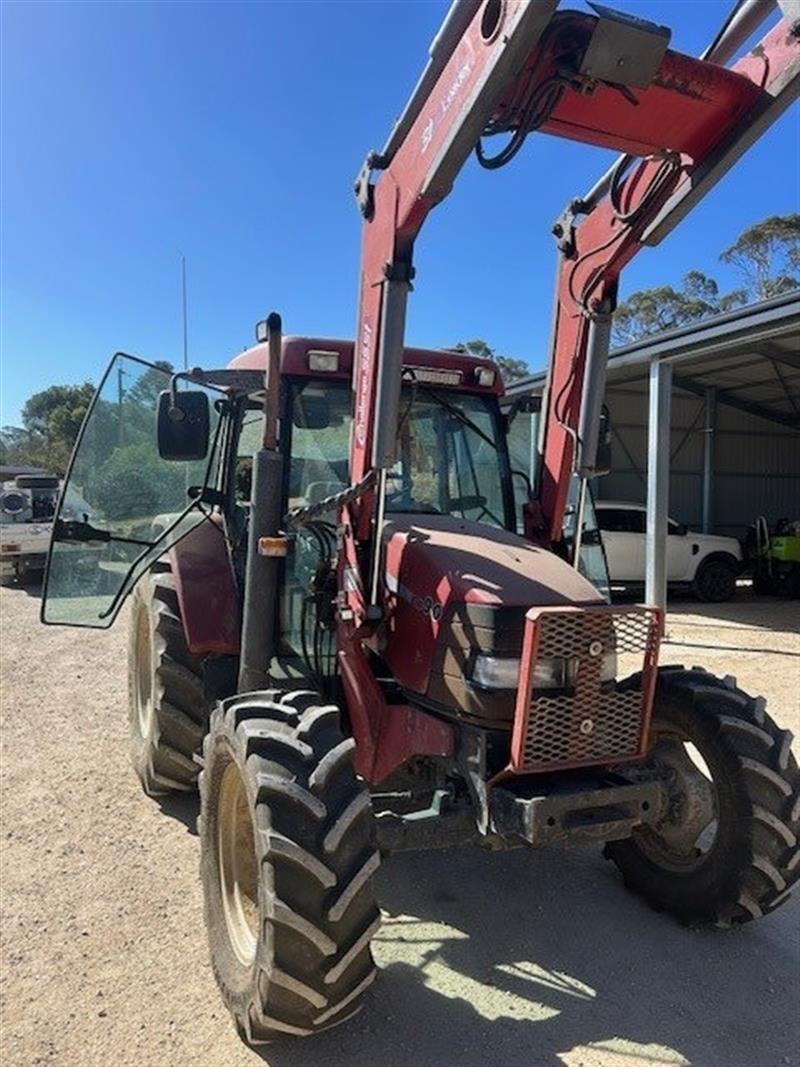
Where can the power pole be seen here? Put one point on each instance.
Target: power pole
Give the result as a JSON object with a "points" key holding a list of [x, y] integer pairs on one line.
{"points": [[185, 314]]}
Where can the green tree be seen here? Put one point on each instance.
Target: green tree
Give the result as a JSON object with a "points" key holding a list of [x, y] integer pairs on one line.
{"points": [[68, 402], [20, 448], [651, 311], [149, 383], [512, 369], [134, 484], [51, 420], [767, 256]]}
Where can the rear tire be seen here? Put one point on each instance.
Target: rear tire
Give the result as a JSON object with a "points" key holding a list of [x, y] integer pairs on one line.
{"points": [[287, 863], [167, 707], [748, 869], [715, 581]]}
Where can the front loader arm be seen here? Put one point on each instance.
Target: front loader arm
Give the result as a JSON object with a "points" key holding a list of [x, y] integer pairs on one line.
{"points": [[638, 203], [509, 67]]}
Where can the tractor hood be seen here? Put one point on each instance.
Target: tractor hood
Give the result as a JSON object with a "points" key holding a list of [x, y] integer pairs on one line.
{"points": [[458, 588]]}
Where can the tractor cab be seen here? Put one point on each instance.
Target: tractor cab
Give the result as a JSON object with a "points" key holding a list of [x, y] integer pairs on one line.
{"points": [[161, 454]]}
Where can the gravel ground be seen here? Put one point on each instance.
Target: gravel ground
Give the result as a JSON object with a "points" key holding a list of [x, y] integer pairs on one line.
{"points": [[103, 947]]}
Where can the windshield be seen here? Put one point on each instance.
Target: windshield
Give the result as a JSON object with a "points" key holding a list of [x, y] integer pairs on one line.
{"points": [[451, 461]]}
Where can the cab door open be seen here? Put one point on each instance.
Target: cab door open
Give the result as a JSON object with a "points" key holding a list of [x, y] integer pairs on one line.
{"points": [[122, 505]]}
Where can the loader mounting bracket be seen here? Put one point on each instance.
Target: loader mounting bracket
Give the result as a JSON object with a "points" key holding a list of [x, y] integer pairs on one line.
{"points": [[576, 810]]}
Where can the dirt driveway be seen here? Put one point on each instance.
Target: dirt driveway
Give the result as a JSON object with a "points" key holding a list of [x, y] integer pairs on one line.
{"points": [[488, 959]]}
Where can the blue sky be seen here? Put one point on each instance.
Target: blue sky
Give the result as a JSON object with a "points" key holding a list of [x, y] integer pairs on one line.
{"points": [[233, 131]]}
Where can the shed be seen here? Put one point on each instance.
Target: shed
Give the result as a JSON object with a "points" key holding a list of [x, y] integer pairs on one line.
{"points": [[728, 389]]}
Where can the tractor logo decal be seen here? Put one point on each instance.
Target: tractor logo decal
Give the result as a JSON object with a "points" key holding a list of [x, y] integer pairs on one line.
{"points": [[425, 605]]}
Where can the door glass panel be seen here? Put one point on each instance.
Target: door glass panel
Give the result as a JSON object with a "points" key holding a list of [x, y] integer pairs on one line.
{"points": [[318, 468], [592, 559], [523, 455], [121, 506], [249, 442]]}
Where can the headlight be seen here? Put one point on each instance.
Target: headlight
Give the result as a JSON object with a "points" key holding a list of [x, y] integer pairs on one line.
{"points": [[492, 672], [554, 672]]}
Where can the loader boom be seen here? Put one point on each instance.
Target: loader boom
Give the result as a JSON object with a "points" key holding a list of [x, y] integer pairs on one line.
{"points": [[509, 68]]}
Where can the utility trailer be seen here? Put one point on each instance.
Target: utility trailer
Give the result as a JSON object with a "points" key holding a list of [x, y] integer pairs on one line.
{"points": [[337, 627]]}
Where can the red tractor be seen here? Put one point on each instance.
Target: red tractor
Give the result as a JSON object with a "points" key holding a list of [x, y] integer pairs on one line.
{"points": [[344, 625]]}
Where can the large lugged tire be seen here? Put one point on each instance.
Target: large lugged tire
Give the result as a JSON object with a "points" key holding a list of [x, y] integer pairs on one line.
{"points": [[741, 863], [167, 708], [287, 863]]}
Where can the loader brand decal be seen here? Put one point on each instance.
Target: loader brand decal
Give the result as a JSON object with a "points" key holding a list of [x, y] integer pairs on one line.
{"points": [[446, 102], [365, 364]]}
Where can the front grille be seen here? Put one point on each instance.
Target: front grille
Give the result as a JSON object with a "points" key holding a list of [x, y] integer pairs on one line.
{"points": [[598, 719]]}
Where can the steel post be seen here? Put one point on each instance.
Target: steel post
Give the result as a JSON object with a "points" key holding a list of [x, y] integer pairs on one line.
{"points": [[708, 458], [658, 446]]}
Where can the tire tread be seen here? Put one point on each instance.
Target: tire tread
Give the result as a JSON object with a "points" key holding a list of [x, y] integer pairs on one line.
{"points": [[316, 856], [767, 785]]}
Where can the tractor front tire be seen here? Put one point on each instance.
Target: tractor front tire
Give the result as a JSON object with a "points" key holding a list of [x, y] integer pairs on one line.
{"points": [[167, 707], [747, 796], [287, 864]]}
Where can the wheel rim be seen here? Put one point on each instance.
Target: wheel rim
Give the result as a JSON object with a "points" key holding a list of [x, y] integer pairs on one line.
{"points": [[717, 583], [688, 831], [143, 674], [238, 866]]}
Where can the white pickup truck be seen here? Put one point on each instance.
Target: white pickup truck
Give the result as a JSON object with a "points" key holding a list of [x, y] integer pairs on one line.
{"points": [[27, 505], [708, 563]]}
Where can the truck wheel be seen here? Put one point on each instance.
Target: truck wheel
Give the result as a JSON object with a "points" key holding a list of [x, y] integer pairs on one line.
{"points": [[167, 707], [287, 863], [726, 849], [27, 575], [715, 581]]}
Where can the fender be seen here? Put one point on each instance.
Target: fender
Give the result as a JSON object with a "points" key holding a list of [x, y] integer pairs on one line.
{"points": [[207, 592]]}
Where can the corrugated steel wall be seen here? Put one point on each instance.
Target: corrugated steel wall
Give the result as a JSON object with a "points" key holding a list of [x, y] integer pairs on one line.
{"points": [[756, 462]]}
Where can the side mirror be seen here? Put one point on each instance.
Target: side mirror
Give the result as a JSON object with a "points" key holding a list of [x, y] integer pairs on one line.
{"points": [[678, 530], [183, 425]]}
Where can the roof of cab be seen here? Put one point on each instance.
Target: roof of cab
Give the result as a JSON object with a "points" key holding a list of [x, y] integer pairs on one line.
{"points": [[295, 351]]}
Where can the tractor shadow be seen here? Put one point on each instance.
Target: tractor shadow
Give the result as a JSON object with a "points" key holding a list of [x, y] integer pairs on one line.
{"points": [[544, 960], [747, 611], [183, 807]]}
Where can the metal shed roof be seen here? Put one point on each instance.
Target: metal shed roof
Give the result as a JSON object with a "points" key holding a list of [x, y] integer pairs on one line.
{"points": [[751, 356]]}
